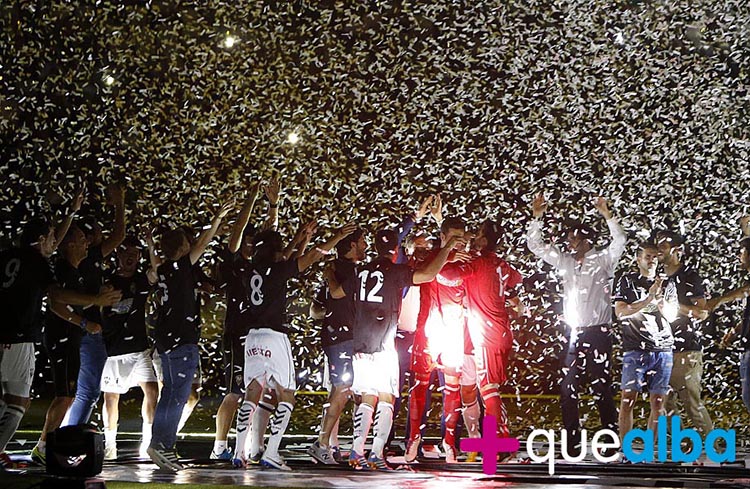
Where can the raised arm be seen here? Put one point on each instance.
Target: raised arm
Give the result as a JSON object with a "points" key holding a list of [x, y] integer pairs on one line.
{"points": [[407, 224], [619, 239], [317, 253], [548, 252], [200, 245], [436, 209], [75, 205], [302, 238], [116, 197], [272, 191], [241, 223], [431, 270]]}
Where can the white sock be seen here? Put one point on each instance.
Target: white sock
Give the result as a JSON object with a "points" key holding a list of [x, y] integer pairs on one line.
{"points": [[220, 446], [9, 422], [259, 425], [383, 423], [278, 427], [42, 446], [362, 423], [146, 430], [471, 419], [244, 416], [110, 438]]}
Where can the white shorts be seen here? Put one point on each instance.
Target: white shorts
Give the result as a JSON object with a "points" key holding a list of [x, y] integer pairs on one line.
{"points": [[123, 372], [468, 371], [197, 378], [17, 368], [376, 372], [268, 359]]}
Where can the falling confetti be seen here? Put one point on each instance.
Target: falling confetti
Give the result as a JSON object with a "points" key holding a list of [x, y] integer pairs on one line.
{"points": [[364, 110]]}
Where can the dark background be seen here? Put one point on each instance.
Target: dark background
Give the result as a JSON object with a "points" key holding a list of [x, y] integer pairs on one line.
{"points": [[484, 102]]}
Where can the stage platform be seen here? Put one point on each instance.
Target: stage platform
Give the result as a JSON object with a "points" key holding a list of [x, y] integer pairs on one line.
{"points": [[428, 473]]}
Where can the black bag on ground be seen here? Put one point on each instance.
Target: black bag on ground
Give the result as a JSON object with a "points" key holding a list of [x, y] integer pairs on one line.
{"points": [[75, 451]]}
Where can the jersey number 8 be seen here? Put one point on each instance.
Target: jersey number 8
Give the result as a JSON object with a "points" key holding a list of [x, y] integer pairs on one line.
{"points": [[256, 294]]}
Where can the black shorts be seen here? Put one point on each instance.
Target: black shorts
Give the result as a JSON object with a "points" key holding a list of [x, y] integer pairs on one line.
{"points": [[233, 347], [65, 361]]}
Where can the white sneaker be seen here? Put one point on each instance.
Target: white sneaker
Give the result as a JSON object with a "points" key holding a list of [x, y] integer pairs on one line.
{"points": [[412, 449], [274, 462], [143, 450], [450, 453], [321, 454], [110, 452]]}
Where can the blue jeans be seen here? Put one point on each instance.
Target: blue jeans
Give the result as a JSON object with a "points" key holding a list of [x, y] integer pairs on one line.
{"points": [[650, 369], [178, 369], [745, 378], [93, 358]]}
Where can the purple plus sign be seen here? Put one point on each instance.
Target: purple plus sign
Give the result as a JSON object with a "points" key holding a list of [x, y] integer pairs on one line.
{"points": [[489, 445]]}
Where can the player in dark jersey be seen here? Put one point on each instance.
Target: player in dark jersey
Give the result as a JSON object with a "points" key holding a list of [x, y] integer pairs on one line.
{"points": [[337, 316], [491, 285], [683, 302], [176, 335], [93, 353], [129, 362], [647, 339], [268, 356], [234, 265], [377, 289], [25, 279], [63, 332]]}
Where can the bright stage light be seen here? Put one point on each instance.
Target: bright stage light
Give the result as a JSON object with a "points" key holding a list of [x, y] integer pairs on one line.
{"points": [[109, 80], [230, 41], [292, 138]]}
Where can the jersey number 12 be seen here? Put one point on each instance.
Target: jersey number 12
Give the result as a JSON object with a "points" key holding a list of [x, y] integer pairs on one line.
{"points": [[372, 295]]}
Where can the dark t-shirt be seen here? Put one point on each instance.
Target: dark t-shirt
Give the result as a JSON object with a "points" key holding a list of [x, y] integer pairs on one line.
{"points": [[178, 321], [377, 289], [647, 330], [233, 278], [682, 288], [124, 324], [57, 331], [339, 319], [91, 270], [25, 276], [267, 293]]}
